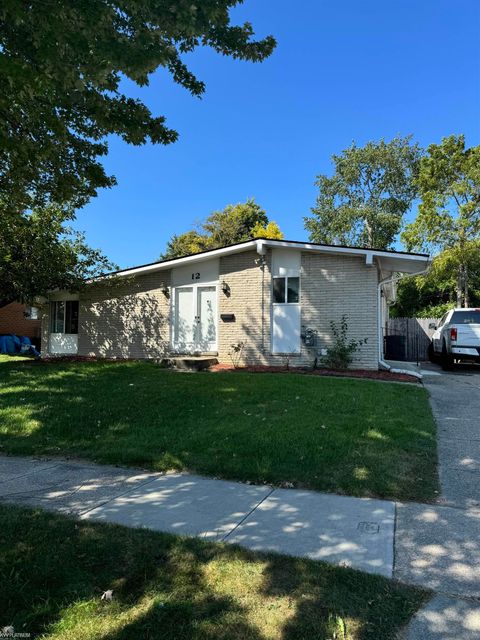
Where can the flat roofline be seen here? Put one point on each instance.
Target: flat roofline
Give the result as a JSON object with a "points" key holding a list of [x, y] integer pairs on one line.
{"points": [[231, 248]]}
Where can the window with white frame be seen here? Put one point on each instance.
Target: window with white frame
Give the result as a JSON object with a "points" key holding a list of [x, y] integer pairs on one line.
{"points": [[32, 313], [64, 316], [286, 290]]}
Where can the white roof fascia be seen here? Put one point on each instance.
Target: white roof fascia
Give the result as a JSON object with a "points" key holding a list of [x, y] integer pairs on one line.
{"points": [[196, 257], [415, 263], [305, 246]]}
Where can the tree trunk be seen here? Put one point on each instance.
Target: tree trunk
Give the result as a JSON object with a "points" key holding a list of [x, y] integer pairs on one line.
{"points": [[369, 232], [466, 292], [463, 297], [459, 288]]}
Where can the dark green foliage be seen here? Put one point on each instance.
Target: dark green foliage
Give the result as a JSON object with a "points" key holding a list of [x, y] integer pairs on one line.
{"points": [[39, 253], [235, 223], [340, 353], [432, 294], [61, 67], [448, 220]]}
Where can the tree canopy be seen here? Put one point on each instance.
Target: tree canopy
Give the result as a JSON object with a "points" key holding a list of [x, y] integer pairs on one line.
{"points": [[39, 253], [448, 218], [61, 93], [364, 201], [235, 223], [432, 294]]}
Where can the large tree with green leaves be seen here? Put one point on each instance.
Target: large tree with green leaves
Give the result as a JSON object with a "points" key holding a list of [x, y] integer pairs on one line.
{"points": [[234, 223], [430, 295], [449, 212], [62, 63], [184, 244], [40, 253], [364, 201]]}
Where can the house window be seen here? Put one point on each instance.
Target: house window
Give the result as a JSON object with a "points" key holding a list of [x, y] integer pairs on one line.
{"points": [[32, 313], [64, 316], [286, 290]]}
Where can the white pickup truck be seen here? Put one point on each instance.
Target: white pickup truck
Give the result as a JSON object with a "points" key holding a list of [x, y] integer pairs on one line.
{"points": [[457, 337]]}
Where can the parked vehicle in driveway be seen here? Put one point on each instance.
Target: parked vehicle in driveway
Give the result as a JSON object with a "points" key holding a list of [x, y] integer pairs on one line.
{"points": [[457, 337]]}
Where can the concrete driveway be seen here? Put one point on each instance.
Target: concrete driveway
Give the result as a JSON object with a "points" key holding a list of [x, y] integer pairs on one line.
{"points": [[455, 400], [438, 546]]}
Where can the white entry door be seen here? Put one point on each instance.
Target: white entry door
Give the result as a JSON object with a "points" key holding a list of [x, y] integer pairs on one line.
{"points": [[195, 319], [206, 318], [286, 314], [286, 328], [184, 320]]}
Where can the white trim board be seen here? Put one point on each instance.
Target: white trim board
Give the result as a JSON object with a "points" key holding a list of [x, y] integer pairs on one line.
{"points": [[390, 260]]}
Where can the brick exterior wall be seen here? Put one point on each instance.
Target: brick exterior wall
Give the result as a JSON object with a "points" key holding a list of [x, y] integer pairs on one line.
{"points": [[335, 285], [329, 287], [131, 319], [12, 320], [125, 318], [252, 319]]}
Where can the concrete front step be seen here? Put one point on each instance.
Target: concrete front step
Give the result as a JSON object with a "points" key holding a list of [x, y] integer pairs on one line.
{"points": [[190, 363]]}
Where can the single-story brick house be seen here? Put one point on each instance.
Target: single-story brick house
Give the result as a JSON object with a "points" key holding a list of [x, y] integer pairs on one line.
{"points": [[271, 296]]}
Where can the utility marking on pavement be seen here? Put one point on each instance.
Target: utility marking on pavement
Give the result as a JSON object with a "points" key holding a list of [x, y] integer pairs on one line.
{"points": [[368, 527]]}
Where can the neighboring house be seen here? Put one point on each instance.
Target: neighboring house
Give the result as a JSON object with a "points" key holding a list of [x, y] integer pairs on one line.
{"points": [[266, 294], [21, 320]]}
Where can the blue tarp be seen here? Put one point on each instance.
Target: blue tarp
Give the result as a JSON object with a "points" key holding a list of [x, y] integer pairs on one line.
{"points": [[11, 344]]}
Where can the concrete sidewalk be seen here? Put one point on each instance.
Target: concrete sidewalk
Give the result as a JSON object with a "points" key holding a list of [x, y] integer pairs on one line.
{"points": [[433, 546], [347, 531]]}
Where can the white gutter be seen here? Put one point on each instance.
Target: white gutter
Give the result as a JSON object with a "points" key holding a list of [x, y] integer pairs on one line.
{"points": [[384, 365], [356, 251], [261, 245]]}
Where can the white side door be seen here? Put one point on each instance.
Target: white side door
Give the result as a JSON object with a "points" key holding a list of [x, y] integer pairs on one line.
{"points": [[206, 338], [286, 315], [286, 328], [184, 320]]}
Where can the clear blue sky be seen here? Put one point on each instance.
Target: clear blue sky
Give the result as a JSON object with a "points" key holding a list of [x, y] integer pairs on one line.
{"points": [[343, 70]]}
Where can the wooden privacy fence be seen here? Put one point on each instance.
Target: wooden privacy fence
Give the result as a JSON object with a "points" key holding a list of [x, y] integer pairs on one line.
{"points": [[407, 339]]}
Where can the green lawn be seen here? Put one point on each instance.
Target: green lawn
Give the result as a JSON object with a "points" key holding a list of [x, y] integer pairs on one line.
{"points": [[53, 571], [357, 437]]}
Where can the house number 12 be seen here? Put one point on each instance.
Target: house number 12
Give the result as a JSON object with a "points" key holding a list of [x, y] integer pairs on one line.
{"points": [[195, 276]]}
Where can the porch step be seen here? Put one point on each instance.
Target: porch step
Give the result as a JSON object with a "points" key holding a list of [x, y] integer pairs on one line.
{"points": [[190, 363]]}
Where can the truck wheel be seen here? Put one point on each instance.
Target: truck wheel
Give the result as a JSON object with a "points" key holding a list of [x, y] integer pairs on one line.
{"points": [[447, 359]]}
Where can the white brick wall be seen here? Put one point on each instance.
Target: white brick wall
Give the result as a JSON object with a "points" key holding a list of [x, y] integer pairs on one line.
{"points": [[126, 318], [337, 285], [131, 319], [330, 286]]}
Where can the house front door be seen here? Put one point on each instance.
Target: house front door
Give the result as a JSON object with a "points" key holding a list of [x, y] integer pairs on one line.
{"points": [[195, 319]]}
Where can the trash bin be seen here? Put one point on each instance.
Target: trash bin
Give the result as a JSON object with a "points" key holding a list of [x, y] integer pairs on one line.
{"points": [[395, 347]]}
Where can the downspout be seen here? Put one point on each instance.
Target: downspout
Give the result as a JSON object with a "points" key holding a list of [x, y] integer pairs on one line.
{"points": [[382, 364], [261, 250], [381, 361]]}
